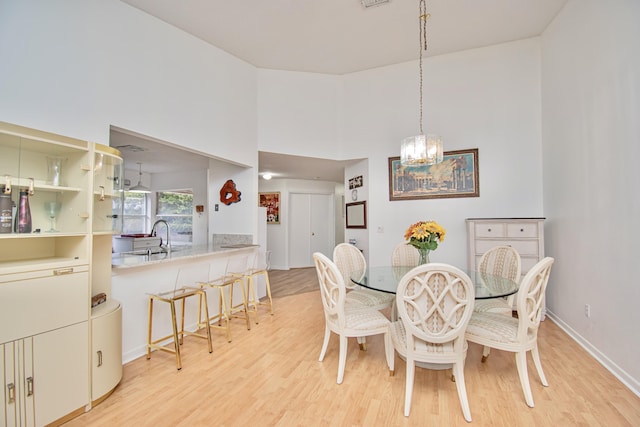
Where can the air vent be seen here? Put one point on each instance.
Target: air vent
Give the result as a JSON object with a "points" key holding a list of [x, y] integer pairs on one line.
{"points": [[372, 3], [130, 148]]}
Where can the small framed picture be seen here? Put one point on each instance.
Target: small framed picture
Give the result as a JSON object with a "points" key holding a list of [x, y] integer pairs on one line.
{"points": [[271, 201]]}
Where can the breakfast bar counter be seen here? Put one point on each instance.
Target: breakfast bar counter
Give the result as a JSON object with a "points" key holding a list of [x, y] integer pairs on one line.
{"points": [[143, 258], [135, 275]]}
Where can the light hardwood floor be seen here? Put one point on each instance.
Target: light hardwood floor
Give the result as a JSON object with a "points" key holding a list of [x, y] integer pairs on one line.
{"points": [[270, 376]]}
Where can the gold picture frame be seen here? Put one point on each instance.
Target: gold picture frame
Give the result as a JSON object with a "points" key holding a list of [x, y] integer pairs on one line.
{"points": [[456, 176]]}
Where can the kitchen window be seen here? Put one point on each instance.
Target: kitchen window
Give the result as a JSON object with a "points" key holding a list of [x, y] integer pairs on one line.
{"points": [[136, 213], [176, 207]]}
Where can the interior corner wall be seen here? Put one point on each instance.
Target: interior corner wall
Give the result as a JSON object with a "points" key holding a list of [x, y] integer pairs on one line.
{"points": [[591, 129]]}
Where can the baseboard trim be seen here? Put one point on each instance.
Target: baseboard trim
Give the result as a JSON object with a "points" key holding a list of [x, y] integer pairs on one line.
{"points": [[630, 382]]}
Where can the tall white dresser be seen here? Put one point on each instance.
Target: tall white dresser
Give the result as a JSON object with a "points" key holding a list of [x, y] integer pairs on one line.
{"points": [[526, 235]]}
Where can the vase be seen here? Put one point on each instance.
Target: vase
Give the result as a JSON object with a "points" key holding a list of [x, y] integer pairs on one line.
{"points": [[23, 217], [424, 256]]}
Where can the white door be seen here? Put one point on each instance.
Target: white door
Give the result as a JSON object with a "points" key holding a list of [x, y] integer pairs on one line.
{"points": [[311, 227]]}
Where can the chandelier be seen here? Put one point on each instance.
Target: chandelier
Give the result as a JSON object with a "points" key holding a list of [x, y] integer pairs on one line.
{"points": [[421, 149]]}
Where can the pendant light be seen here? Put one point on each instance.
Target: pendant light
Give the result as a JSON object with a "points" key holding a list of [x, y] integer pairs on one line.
{"points": [[421, 149], [139, 188]]}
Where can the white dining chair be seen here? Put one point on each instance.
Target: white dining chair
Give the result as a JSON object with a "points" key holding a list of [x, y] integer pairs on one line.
{"points": [[405, 254], [346, 320], [434, 302], [503, 261], [495, 330], [349, 260]]}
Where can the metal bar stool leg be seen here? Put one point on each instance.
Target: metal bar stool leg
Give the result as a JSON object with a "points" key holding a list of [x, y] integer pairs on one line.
{"points": [[203, 296], [149, 322], [176, 339], [252, 296]]}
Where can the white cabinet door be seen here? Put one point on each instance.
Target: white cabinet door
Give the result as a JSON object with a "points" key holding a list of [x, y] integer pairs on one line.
{"points": [[18, 383], [106, 352], [311, 228], [61, 372]]}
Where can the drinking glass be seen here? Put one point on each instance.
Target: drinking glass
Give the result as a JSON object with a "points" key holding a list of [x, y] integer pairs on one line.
{"points": [[54, 170], [52, 209]]}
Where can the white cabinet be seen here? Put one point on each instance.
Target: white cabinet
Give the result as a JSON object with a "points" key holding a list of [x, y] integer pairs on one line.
{"points": [[49, 273], [106, 350], [526, 235], [45, 377]]}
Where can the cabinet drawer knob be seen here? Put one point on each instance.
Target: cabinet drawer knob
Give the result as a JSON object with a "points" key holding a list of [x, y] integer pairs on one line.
{"points": [[63, 271], [99, 358], [522, 230], [489, 230]]}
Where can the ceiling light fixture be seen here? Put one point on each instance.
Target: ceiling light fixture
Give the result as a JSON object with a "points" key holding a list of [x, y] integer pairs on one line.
{"points": [[266, 176], [139, 188], [421, 149]]}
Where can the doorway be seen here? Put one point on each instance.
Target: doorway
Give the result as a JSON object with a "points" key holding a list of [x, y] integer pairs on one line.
{"points": [[312, 227]]}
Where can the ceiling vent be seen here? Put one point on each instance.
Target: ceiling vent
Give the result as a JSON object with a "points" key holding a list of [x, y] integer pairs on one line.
{"points": [[131, 148], [372, 3]]}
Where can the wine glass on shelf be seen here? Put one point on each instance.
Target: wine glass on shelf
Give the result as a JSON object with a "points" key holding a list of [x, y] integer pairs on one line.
{"points": [[53, 210]]}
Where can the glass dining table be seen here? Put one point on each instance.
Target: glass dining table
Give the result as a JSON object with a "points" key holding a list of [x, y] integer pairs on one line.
{"points": [[386, 279]]}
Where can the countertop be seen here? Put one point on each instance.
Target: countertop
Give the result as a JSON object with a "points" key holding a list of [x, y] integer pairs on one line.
{"points": [[140, 258]]}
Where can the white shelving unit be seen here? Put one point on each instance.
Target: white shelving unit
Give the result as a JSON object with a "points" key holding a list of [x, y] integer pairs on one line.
{"points": [[47, 278]]}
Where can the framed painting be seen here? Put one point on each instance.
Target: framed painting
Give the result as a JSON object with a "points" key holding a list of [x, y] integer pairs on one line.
{"points": [[356, 215], [271, 201], [456, 176]]}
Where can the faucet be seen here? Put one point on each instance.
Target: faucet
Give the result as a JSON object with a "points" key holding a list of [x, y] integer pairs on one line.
{"points": [[167, 246]]}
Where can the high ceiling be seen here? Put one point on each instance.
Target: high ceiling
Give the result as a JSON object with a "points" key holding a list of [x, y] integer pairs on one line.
{"points": [[341, 36], [335, 37]]}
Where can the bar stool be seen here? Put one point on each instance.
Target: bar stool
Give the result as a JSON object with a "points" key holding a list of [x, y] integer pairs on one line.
{"points": [[224, 285], [261, 266], [179, 293]]}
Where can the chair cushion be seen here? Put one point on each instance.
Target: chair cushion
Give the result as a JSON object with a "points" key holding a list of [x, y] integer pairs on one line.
{"points": [[493, 326], [370, 298], [494, 305], [358, 317], [399, 339]]}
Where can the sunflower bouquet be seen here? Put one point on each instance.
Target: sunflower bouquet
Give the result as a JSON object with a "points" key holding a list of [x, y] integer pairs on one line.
{"points": [[425, 236]]}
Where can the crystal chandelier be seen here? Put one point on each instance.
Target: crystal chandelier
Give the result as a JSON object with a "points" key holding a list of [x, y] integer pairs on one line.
{"points": [[421, 149]]}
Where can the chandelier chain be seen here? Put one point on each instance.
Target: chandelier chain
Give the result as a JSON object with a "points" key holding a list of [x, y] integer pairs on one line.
{"points": [[423, 45]]}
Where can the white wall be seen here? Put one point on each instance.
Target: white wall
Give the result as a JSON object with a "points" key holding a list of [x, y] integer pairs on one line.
{"points": [[360, 168], [485, 98], [299, 113], [591, 133], [79, 66]]}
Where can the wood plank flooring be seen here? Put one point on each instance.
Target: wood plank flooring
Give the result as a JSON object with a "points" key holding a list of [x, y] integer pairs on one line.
{"points": [[270, 376]]}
